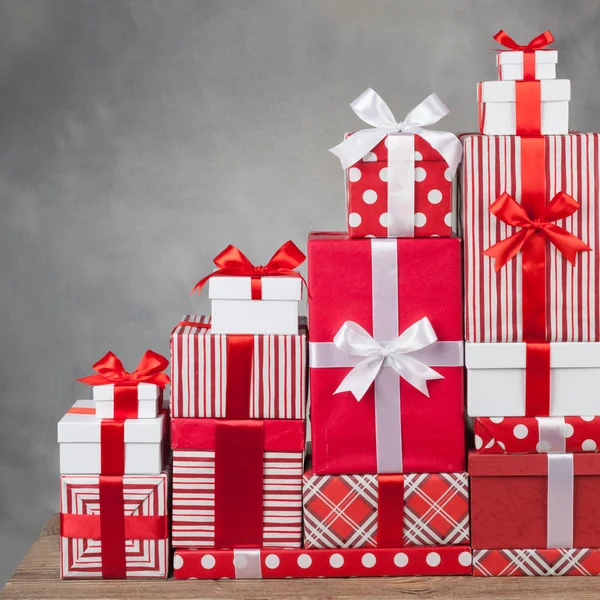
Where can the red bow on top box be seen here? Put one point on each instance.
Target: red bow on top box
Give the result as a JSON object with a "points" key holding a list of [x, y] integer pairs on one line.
{"points": [[237, 376], [530, 62], [399, 174], [531, 229], [121, 395], [237, 484], [255, 299], [386, 355]]}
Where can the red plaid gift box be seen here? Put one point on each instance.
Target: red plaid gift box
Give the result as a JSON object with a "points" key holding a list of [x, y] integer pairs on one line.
{"points": [[356, 511], [536, 562]]}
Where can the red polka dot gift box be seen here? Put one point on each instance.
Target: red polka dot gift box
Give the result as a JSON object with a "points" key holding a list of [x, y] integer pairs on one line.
{"points": [[399, 175], [354, 562]]}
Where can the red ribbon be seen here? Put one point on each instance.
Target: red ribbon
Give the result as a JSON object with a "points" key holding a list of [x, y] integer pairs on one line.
{"points": [[390, 511], [233, 262], [239, 455], [528, 107], [538, 42], [537, 380], [110, 369]]}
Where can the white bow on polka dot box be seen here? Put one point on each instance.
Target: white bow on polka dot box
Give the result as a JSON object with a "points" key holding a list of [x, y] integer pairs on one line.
{"points": [[399, 175]]}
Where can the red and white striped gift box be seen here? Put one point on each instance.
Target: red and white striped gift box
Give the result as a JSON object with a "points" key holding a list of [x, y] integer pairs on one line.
{"points": [[494, 301], [199, 509], [201, 362], [143, 496]]}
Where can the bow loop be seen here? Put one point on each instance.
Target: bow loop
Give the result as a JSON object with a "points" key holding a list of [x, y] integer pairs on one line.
{"points": [[355, 340], [509, 211], [540, 41]]}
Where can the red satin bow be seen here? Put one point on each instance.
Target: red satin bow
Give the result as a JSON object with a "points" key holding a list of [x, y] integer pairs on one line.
{"points": [[540, 41], [110, 369], [510, 212], [233, 262]]}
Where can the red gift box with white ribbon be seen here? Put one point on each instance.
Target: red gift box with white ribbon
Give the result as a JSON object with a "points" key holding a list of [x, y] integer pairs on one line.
{"points": [[386, 355], [399, 175]]}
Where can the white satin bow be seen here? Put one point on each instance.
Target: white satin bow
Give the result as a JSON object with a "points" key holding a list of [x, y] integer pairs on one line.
{"points": [[353, 339], [372, 109]]}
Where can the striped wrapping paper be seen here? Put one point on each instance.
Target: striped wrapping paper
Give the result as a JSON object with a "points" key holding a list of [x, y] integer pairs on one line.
{"points": [[194, 499], [144, 496], [492, 165], [199, 373]]}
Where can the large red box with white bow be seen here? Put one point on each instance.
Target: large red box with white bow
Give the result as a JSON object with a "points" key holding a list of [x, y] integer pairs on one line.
{"points": [[535, 501], [391, 288], [237, 483], [561, 299]]}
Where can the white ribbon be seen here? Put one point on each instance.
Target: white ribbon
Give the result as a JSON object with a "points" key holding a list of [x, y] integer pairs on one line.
{"points": [[561, 483], [247, 563], [552, 435], [353, 339], [371, 108]]}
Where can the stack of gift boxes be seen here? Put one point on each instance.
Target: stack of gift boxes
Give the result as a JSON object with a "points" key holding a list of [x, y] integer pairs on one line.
{"points": [[531, 229]]}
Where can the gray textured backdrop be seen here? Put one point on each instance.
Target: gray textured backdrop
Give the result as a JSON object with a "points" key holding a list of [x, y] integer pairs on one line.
{"points": [[140, 137]]}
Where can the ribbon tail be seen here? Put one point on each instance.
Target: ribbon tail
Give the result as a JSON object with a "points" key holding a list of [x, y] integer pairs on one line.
{"points": [[357, 145], [447, 144], [360, 378], [414, 372], [567, 244], [505, 250]]}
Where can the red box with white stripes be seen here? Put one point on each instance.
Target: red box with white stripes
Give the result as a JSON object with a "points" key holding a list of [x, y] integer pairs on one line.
{"points": [[237, 376], [144, 527], [531, 435], [237, 483], [535, 501], [533, 171], [267, 563], [378, 511]]}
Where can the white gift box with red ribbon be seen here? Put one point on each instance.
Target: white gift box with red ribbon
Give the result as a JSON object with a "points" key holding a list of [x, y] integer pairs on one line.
{"points": [[510, 64], [149, 396]]}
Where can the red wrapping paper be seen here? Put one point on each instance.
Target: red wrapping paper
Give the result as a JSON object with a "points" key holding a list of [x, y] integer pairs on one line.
{"points": [[280, 564], [521, 435], [509, 501], [343, 429]]}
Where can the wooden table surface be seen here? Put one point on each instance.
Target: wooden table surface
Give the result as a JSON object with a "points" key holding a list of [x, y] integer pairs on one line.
{"points": [[38, 577]]}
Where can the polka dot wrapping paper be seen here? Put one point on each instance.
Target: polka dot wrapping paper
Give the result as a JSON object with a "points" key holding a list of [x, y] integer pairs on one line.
{"points": [[280, 564], [522, 435], [367, 193]]}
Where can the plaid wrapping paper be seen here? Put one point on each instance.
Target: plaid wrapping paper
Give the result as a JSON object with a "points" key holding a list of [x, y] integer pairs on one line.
{"points": [[535, 562], [341, 511], [199, 372]]}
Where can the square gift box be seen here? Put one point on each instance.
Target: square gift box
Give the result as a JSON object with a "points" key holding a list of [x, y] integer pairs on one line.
{"points": [[535, 501], [561, 298], [237, 376], [88, 445], [385, 293], [510, 64], [524, 107], [385, 511], [237, 483], [114, 527]]}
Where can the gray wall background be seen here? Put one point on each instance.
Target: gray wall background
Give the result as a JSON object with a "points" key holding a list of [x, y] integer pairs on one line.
{"points": [[138, 138]]}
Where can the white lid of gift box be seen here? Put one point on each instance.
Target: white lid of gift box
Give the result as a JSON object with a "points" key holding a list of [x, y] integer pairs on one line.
{"points": [[515, 57], [551, 90], [239, 288], [85, 428], [145, 391], [568, 355]]}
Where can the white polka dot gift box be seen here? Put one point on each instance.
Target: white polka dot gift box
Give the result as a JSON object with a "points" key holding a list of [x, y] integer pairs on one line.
{"points": [[535, 501], [525, 435], [354, 562], [399, 174]]}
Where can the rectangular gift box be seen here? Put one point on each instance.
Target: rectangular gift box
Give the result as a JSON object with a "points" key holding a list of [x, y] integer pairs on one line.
{"points": [[83, 439], [237, 483], [536, 562], [307, 564], [507, 107], [530, 435], [529, 169], [234, 311], [371, 188], [237, 376], [535, 501], [385, 511], [114, 527], [386, 286], [497, 375], [149, 400], [510, 64]]}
